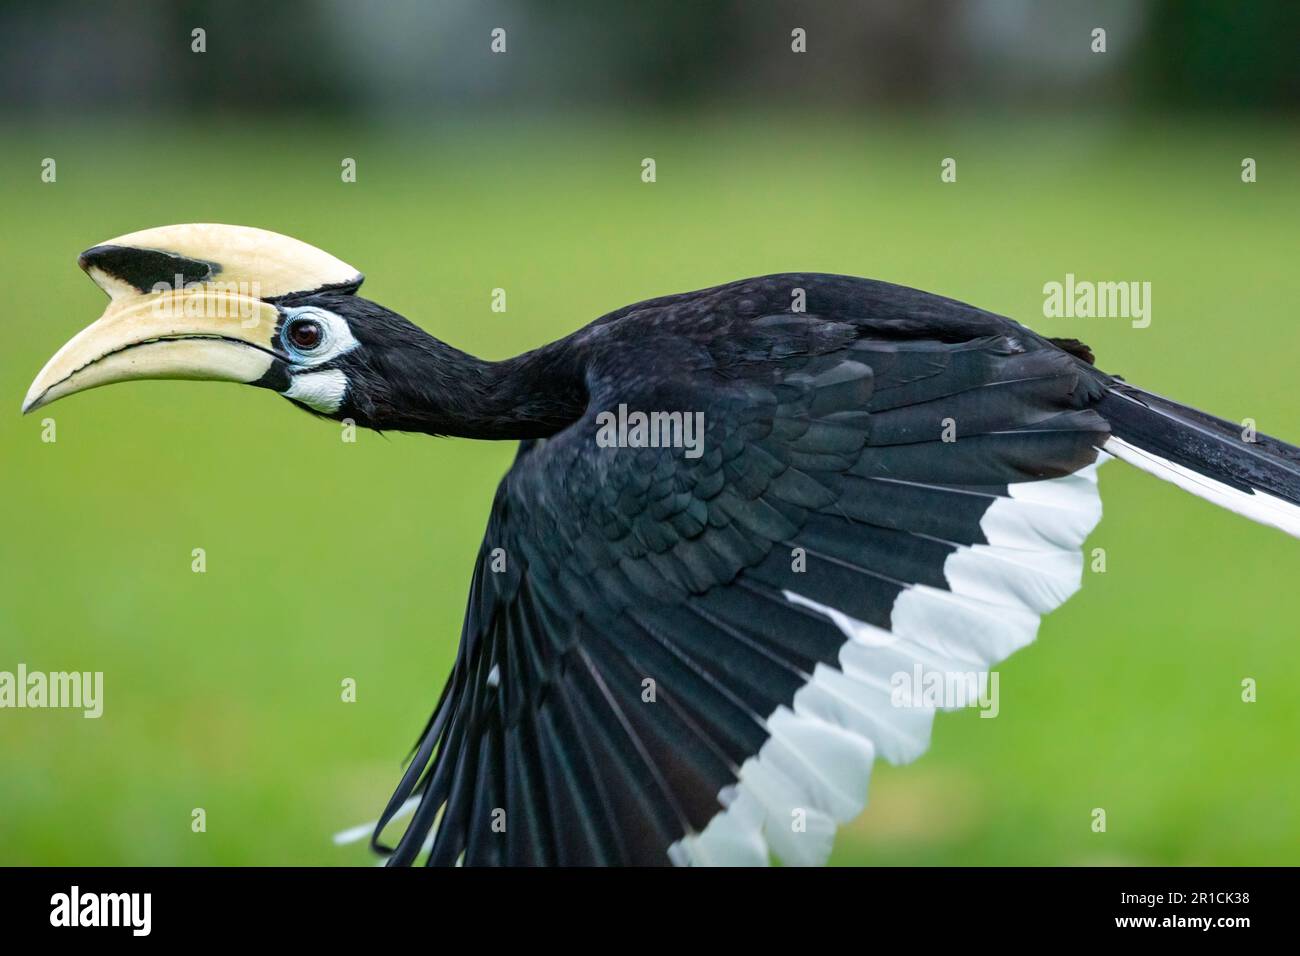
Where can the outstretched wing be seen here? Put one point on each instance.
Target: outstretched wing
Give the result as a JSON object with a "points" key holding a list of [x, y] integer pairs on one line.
{"points": [[670, 658]]}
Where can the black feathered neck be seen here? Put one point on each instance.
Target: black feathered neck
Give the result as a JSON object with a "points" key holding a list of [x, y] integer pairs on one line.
{"points": [[400, 378]]}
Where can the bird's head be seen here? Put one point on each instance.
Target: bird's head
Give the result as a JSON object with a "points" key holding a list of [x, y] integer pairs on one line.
{"points": [[233, 303]]}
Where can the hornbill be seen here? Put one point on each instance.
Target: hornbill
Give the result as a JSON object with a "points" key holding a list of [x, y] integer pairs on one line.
{"points": [[681, 650]]}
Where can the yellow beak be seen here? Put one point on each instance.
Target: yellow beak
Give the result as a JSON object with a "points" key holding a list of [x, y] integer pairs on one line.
{"points": [[198, 334], [187, 302]]}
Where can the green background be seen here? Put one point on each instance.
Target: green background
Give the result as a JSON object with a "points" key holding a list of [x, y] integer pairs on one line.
{"points": [[328, 560]]}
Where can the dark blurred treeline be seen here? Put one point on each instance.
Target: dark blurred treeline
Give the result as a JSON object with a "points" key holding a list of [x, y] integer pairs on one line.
{"points": [[352, 57]]}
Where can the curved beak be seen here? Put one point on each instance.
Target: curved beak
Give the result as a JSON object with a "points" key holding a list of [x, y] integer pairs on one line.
{"points": [[200, 333], [188, 301]]}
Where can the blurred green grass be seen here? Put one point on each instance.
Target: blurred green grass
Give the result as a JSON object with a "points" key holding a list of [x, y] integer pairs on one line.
{"points": [[329, 560]]}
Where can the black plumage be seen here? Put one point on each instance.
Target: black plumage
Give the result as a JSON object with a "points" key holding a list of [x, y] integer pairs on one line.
{"points": [[675, 652], [824, 430]]}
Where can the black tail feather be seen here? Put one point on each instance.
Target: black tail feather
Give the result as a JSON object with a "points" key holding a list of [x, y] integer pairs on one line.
{"points": [[1220, 450]]}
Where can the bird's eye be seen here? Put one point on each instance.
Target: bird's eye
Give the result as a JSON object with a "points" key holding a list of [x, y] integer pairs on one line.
{"points": [[304, 334], [313, 336]]}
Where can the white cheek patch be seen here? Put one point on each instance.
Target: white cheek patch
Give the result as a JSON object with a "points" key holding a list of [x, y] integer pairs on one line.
{"points": [[322, 391]]}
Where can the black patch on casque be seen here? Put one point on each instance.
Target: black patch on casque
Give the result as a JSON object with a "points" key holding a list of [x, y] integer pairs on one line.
{"points": [[143, 269]]}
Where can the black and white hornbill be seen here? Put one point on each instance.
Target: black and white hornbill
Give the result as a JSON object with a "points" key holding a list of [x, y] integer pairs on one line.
{"points": [[684, 654]]}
